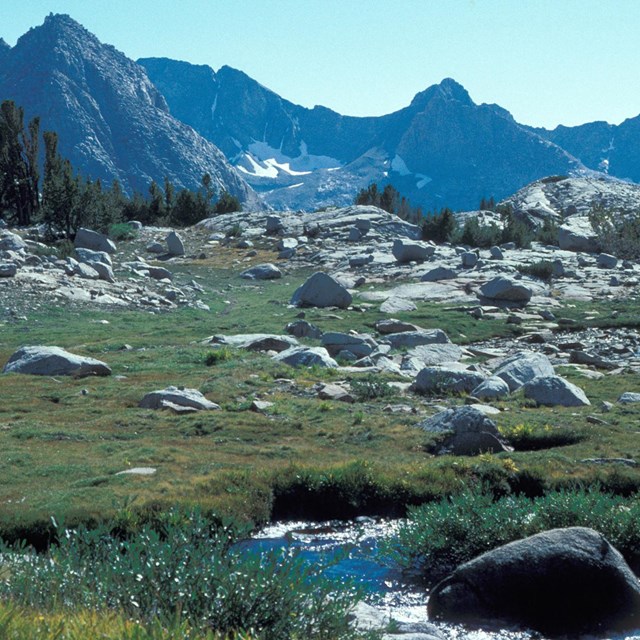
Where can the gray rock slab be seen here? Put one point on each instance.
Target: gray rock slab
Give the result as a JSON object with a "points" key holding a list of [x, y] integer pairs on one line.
{"points": [[629, 397], [88, 239], [395, 305], [54, 361], [504, 288], [266, 271], [89, 256], [11, 242], [306, 357], [439, 273], [416, 338], [408, 251], [391, 325], [182, 397], [436, 354], [492, 388], [446, 379], [257, 341]]}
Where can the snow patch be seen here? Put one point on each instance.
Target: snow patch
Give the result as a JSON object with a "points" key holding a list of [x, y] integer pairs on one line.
{"points": [[213, 107], [423, 180], [302, 163], [295, 186], [400, 166]]}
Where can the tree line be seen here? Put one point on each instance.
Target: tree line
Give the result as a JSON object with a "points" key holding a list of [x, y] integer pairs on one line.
{"points": [[64, 200]]}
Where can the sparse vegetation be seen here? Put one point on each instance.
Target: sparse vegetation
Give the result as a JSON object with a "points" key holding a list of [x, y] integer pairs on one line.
{"points": [[618, 231], [542, 269]]}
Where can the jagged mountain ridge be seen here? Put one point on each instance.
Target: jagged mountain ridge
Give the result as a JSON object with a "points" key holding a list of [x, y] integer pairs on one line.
{"points": [[442, 149], [111, 120], [614, 149]]}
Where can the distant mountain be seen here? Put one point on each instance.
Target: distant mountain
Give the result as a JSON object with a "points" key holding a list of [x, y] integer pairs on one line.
{"points": [[442, 149], [614, 149], [112, 122]]}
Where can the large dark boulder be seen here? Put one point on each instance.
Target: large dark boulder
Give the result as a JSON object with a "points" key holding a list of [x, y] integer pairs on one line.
{"points": [[562, 581]]}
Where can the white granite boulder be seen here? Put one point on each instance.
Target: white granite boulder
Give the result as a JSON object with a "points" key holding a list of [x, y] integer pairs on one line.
{"points": [[577, 234], [504, 288], [523, 367], [176, 396], [306, 357], [54, 361], [175, 246], [266, 271], [552, 391], [411, 251]]}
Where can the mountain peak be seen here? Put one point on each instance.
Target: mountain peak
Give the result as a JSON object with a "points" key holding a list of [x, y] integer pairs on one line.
{"points": [[4, 46], [448, 90]]}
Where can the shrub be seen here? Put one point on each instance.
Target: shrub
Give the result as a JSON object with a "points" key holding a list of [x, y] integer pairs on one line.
{"points": [[223, 354], [439, 536], [527, 437], [548, 233], [122, 231], [185, 567], [370, 387], [227, 204], [543, 269], [617, 231]]}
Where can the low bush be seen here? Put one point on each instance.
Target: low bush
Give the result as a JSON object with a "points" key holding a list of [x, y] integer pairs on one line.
{"points": [[122, 231], [217, 356], [185, 567], [528, 437], [370, 387], [543, 270], [439, 536]]}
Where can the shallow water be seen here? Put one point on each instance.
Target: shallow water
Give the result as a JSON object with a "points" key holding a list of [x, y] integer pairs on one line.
{"points": [[353, 548]]}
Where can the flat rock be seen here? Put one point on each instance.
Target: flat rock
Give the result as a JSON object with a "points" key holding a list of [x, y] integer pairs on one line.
{"points": [[629, 397], [439, 273], [562, 581], [415, 338], [436, 354], [411, 251], [191, 398], [391, 325], [395, 304], [306, 357], [266, 271], [360, 345], [257, 341], [53, 361]]}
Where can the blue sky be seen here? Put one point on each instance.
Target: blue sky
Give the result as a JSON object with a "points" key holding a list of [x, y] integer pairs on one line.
{"points": [[548, 62]]}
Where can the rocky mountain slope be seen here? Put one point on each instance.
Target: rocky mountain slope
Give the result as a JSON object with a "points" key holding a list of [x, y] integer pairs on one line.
{"points": [[442, 149], [602, 146], [112, 122]]}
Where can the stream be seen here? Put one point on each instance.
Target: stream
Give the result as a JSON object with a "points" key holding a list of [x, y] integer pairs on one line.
{"points": [[353, 549]]}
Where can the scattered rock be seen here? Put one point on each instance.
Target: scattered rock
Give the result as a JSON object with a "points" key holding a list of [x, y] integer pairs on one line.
{"points": [[446, 380], [439, 273], [415, 338], [321, 290], [467, 432], [523, 367], [408, 251], [492, 388], [303, 329], [504, 288], [87, 239], [53, 361], [266, 271], [175, 246], [334, 392], [306, 357], [8, 269], [553, 390], [629, 397], [181, 397], [562, 581]]}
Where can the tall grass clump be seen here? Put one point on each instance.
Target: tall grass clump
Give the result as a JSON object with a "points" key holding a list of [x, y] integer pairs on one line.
{"points": [[439, 536], [187, 568]]}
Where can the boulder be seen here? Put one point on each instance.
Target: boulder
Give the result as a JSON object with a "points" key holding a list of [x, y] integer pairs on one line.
{"points": [[334, 392], [467, 431], [11, 242], [629, 397], [321, 290], [577, 234], [159, 273], [523, 367], [439, 273], [562, 581], [469, 259], [360, 261], [446, 379], [503, 288], [303, 329], [104, 271], [91, 257], [8, 269], [155, 247], [415, 338], [411, 251], [607, 261], [179, 396], [491, 388], [394, 304], [551, 391], [436, 354], [306, 357], [360, 345], [86, 271], [274, 225], [87, 239], [496, 253], [53, 361], [266, 271], [257, 341], [175, 246], [391, 325]]}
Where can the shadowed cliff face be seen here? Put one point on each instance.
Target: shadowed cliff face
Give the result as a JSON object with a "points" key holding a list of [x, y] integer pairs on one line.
{"points": [[112, 122], [442, 149]]}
